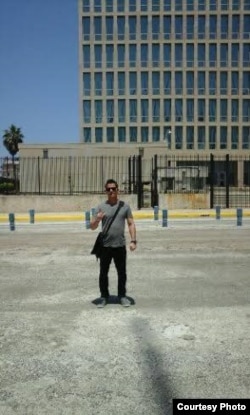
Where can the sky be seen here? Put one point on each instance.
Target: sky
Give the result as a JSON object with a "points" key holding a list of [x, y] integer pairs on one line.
{"points": [[39, 70]]}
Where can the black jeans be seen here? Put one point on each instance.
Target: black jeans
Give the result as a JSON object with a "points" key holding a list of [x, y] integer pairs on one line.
{"points": [[119, 255]]}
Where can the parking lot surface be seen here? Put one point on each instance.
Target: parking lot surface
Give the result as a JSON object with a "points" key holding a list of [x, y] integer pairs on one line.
{"points": [[186, 334]]}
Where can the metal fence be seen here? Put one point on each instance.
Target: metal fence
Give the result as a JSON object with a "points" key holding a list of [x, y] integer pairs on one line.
{"points": [[225, 178]]}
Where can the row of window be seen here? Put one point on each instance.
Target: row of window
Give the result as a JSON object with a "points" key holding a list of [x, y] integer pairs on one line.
{"points": [[178, 138], [157, 110], [109, 6], [178, 55], [167, 83], [157, 27]]}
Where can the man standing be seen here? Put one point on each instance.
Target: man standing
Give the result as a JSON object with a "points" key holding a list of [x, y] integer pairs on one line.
{"points": [[114, 244]]}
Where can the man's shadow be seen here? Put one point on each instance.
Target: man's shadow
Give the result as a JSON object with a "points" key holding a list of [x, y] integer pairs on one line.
{"points": [[114, 299]]}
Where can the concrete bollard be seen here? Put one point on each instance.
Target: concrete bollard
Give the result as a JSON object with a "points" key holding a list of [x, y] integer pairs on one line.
{"points": [[32, 215], [164, 218], [218, 212], [239, 213], [87, 219], [156, 212], [12, 221]]}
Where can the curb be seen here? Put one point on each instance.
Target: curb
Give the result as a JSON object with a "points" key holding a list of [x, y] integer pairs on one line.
{"points": [[138, 215]]}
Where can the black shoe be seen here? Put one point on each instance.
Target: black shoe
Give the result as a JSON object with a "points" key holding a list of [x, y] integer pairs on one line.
{"points": [[125, 302], [102, 302]]}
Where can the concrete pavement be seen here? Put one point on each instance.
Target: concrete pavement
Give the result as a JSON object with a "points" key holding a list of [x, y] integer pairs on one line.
{"points": [[186, 334]]}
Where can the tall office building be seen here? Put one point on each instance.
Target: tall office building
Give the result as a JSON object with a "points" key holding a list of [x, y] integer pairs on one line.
{"points": [[175, 73]]}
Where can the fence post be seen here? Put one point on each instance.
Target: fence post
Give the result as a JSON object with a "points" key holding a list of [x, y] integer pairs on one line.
{"points": [[239, 216], [217, 209], [12, 221], [164, 218], [32, 215], [87, 219]]}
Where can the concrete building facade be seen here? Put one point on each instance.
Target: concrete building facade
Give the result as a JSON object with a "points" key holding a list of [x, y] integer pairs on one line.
{"points": [[171, 75]]}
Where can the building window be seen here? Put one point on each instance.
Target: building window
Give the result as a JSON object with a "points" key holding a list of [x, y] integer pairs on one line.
{"points": [[132, 83], [144, 27], [178, 83], [190, 110], [110, 135], [133, 134], [97, 5], [223, 138], [167, 82], [86, 84], [144, 110], [201, 138], [98, 135], [234, 110], [98, 111], [110, 83], [132, 27], [167, 109], [110, 111], [121, 110], [86, 56], [212, 138], [144, 83], [178, 138], [246, 138], [121, 83], [235, 138], [178, 109], [98, 56], [190, 138], [87, 111], [223, 110], [167, 54], [45, 153], [121, 134], [144, 134], [190, 55], [223, 83], [86, 28], [98, 83], [120, 5], [132, 55], [212, 110], [110, 55], [156, 134], [155, 83], [121, 27], [167, 27], [121, 55], [246, 110], [87, 135], [156, 110], [98, 28], [155, 27], [133, 110], [109, 27]]}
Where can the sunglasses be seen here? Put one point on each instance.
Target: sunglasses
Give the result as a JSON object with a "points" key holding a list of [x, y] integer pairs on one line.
{"points": [[108, 189]]}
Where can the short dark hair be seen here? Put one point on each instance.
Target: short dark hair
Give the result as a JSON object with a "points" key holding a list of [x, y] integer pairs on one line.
{"points": [[110, 181]]}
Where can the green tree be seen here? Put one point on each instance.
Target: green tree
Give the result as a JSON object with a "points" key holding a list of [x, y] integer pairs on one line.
{"points": [[11, 139]]}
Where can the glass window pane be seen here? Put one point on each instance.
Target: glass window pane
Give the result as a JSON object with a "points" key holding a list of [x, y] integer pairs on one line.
{"points": [[110, 135], [98, 135], [98, 83]]}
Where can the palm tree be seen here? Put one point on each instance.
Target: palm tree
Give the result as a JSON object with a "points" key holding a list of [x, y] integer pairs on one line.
{"points": [[11, 138]]}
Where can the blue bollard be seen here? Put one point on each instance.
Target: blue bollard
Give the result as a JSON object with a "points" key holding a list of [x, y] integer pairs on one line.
{"points": [[239, 216], [164, 218], [32, 215], [217, 210], [87, 219], [12, 221], [156, 212], [92, 212]]}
